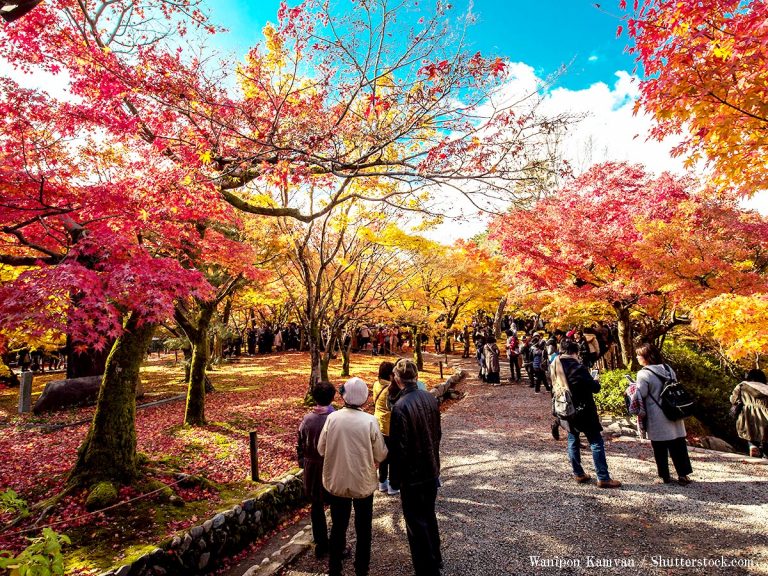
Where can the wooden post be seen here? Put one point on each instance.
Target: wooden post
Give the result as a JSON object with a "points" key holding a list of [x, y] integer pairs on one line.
{"points": [[441, 370], [254, 457], [25, 392]]}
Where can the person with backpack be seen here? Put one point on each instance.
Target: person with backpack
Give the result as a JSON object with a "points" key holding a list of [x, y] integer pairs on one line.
{"points": [[574, 405], [749, 402], [667, 436]]}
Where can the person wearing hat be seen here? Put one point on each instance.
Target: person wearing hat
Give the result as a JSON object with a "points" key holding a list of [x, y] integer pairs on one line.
{"points": [[414, 438], [351, 444]]}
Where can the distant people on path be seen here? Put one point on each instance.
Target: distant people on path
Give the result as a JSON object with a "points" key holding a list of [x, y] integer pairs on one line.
{"points": [[750, 406], [382, 412], [667, 436], [539, 361], [312, 462], [352, 445], [491, 355], [415, 434], [513, 355], [571, 374]]}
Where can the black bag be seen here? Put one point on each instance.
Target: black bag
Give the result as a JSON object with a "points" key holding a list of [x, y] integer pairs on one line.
{"points": [[674, 400]]}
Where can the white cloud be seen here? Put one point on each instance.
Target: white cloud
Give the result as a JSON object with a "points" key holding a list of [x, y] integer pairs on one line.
{"points": [[593, 58], [56, 85]]}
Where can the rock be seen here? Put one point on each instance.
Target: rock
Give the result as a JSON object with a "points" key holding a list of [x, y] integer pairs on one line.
{"points": [[257, 517], [713, 443], [241, 518], [219, 520], [177, 501], [186, 543], [159, 571], [175, 543], [249, 504], [237, 509], [207, 525], [280, 487], [196, 532], [203, 562], [60, 394], [123, 570]]}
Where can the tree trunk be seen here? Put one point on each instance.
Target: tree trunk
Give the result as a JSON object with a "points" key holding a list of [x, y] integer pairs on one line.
{"points": [[626, 341], [315, 356], [194, 414], [418, 357], [448, 343], [109, 450], [345, 350], [499, 316]]}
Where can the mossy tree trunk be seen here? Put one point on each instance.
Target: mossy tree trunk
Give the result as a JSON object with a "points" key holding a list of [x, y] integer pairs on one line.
{"points": [[418, 357], [109, 450], [626, 340], [194, 413]]}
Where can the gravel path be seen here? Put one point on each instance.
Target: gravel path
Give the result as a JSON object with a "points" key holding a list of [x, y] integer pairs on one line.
{"points": [[508, 502]]}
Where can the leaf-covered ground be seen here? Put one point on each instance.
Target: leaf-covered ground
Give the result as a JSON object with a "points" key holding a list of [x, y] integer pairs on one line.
{"points": [[263, 393]]}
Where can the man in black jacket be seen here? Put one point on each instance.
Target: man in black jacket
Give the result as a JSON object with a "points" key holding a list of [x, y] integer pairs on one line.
{"points": [[414, 435], [586, 420]]}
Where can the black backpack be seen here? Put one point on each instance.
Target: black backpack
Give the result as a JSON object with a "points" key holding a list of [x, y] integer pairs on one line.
{"points": [[674, 400]]}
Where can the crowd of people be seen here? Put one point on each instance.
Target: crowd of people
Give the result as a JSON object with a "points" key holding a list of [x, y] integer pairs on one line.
{"points": [[340, 452]]}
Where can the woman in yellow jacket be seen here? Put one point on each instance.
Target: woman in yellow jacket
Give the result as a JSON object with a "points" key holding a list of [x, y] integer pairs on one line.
{"points": [[382, 414]]}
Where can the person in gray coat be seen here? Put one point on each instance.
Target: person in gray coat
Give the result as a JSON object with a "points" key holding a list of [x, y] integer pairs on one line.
{"points": [[667, 436]]}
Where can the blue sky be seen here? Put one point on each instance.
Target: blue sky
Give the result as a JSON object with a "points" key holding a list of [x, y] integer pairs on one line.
{"points": [[545, 34]]}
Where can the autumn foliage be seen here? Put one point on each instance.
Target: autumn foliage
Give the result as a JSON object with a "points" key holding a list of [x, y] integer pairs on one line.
{"points": [[705, 69]]}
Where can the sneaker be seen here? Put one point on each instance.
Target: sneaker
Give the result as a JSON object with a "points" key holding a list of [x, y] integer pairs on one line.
{"points": [[583, 479], [664, 481], [384, 486], [608, 484], [392, 492], [754, 452], [684, 480]]}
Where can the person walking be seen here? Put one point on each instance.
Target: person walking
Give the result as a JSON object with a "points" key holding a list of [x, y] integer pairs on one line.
{"points": [[750, 407], [352, 444], [312, 462], [570, 374], [415, 434], [667, 436]]}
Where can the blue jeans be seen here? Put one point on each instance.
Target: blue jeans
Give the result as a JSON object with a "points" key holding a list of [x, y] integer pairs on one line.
{"points": [[597, 445]]}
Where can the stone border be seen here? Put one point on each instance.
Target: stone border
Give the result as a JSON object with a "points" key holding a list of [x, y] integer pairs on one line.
{"points": [[200, 548]]}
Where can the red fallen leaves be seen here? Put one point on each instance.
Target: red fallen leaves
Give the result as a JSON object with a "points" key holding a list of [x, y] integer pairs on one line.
{"points": [[266, 397]]}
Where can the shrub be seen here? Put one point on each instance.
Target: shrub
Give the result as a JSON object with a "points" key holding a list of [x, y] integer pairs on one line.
{"points": [[711, 387], [41, 558], [611, 396]]}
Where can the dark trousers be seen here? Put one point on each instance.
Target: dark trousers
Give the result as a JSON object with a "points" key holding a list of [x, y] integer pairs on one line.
{"points": [[514, 368], [675, 449], [341, 509], [421, 526], [539, 378], [529, 372], [319, 525], [384, 466]]}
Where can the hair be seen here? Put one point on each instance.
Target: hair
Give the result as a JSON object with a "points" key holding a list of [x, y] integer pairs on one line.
{"points": [[568, 346], [756, 375], [323, 393], [385, 370], [650, 353]]}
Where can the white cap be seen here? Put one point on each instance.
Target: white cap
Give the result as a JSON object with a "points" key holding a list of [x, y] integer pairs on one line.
{"points": [[354, 391]]}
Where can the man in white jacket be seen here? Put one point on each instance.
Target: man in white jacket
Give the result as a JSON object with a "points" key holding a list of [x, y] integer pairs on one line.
{"points": [[352, 444]]}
